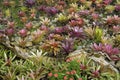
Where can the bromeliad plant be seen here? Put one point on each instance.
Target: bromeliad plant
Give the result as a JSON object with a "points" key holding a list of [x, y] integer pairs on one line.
{"points": [[113, 53], [68, 45], [95, 34], [51, 46], [98, 34]]}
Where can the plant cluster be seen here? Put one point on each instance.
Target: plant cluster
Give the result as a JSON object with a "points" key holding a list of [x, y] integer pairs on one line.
{"points": [[35, 23], [15, 68], [60, 27], [78, 69], [111, 52]]}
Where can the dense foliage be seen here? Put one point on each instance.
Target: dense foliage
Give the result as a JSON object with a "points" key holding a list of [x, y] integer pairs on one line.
{"points": [[35, 31]]}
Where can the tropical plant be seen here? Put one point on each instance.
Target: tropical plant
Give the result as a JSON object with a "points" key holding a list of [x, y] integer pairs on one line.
{"points": [[38, 35], [77, 69]]}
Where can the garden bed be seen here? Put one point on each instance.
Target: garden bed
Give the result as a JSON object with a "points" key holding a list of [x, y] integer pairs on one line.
{"points": [[60, 39]]}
